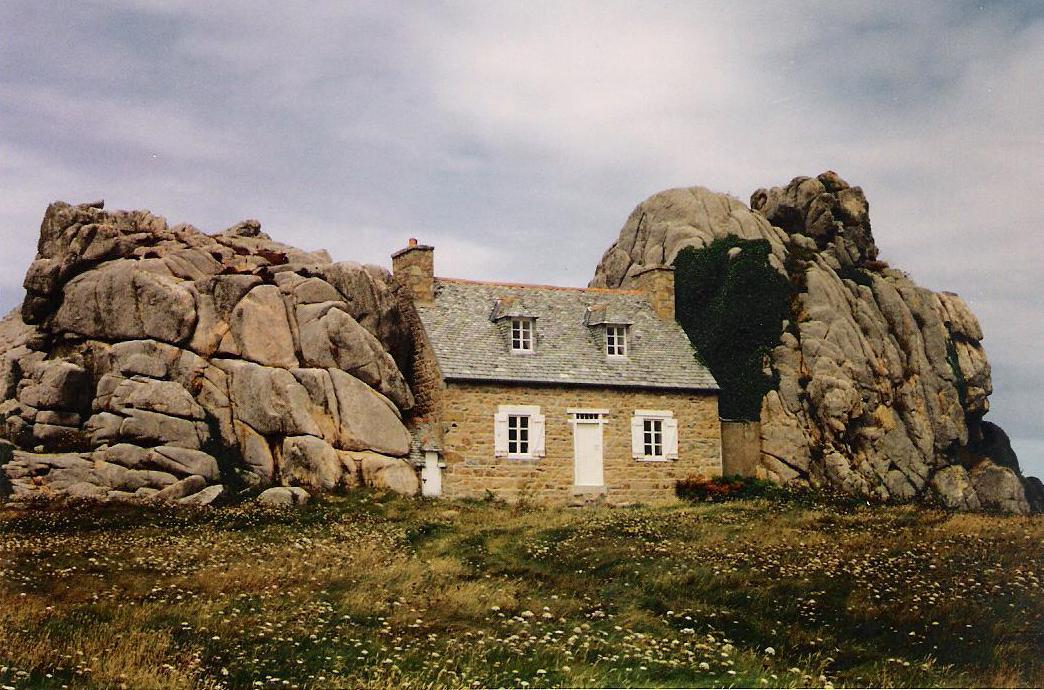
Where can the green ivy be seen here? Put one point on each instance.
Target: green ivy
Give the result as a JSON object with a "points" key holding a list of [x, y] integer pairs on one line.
{"points": [[733, 309]]}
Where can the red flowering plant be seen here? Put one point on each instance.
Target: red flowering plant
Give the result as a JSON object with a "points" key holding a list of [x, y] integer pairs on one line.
{"points": [[700, 488]]}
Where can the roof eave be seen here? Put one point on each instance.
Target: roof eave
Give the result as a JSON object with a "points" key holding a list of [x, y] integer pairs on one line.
{"points": [[702, 388]]}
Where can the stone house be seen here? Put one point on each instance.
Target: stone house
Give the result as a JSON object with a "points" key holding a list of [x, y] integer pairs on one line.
{"points": [[556, 394]]}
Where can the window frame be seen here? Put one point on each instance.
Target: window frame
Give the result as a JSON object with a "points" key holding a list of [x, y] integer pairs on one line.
{"points": [[616, 338], [652, 438], [522, 331], [521, 431], [668, 433]]}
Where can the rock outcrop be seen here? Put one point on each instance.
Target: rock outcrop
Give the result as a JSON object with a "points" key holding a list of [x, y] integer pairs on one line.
{"points": [[161, 362], [882, 384]]}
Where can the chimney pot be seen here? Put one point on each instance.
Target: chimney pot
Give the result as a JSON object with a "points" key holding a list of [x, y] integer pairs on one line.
{"points": [[412, 242]]}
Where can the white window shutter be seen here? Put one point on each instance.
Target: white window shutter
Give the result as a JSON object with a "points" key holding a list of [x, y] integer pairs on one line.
{"points": [[637, 437], [536, 434], [670, 438], [500, 434]]}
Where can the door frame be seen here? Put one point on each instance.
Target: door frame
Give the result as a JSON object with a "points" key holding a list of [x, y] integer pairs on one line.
{"points": [[588, 417]]}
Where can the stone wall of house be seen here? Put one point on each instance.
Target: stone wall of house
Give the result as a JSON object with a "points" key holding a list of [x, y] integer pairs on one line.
{"points": [[472, 467], [741, 448], [424, 377]]}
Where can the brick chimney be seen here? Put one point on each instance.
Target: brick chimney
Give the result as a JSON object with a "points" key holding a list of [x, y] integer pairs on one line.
{"points": [[657, 282], [414, 266]]}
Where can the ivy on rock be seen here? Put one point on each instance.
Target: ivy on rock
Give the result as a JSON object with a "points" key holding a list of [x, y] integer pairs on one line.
{"points": [[732, 304]]}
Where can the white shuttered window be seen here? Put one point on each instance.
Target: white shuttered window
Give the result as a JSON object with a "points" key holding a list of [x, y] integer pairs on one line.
{"points": [[518, 432], [654, 435]]}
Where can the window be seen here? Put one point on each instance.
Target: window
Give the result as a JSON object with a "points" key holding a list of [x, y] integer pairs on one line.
{"points": [[518, 432], [616, 341], [521, 335], [652, 438], [654, 435]]}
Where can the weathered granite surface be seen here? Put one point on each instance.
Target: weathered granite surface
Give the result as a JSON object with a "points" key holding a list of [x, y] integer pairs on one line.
{"points": [[162, 362], [882, 384]]}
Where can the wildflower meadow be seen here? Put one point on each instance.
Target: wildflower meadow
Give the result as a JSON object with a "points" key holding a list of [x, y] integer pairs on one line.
{"points": [[371, 590]]}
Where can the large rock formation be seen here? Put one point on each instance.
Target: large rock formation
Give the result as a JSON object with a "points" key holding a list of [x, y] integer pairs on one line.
{"points": [[159, 361], [882, 385]]}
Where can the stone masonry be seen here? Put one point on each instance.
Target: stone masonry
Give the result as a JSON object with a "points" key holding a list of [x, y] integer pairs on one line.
{"points": [[414, 267], [472, 468], [657, 283]]}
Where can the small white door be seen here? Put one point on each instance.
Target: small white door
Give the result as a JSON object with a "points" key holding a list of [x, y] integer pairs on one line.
{"points": [[587, 451], [431, 475]]}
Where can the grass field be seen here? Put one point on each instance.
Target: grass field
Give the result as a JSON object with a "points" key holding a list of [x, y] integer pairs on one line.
{"points": [[375, 591]]}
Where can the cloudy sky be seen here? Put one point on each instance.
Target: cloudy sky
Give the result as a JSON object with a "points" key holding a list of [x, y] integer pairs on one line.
{"points": [[517, 137]]}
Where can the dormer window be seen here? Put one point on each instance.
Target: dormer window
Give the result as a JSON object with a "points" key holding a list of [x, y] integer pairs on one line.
{"points": [[521, 335], [616, 341]]}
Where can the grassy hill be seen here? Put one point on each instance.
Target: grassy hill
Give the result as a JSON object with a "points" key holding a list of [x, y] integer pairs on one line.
{"points": [[379, 591]]}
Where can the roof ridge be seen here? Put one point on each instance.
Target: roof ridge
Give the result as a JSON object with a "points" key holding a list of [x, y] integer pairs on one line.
{"points": [[493, 283]]}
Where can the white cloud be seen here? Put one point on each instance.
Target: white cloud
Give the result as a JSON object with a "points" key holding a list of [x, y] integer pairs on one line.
{"points": [[590, 85]]}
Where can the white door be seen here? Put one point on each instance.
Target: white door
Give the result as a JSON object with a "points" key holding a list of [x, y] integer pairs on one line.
{"points": [[587, 451], [431, 475]]}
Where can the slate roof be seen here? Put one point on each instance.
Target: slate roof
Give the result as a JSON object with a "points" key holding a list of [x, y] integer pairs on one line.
{"points": [[469, 346]]}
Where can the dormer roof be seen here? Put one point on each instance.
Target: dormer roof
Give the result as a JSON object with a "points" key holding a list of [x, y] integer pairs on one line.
{"points": [[606, 314], [465, 330], [510, 307]]}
